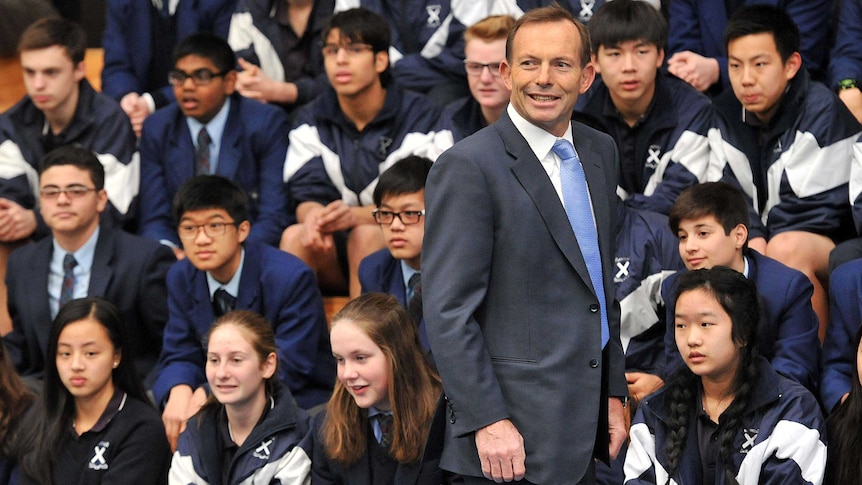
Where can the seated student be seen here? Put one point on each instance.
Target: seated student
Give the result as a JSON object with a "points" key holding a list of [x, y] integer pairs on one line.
{"points": [[787, 143], [726, 416], [61, 108], [845, 426], [94, 423], [83, 257], [212, 130], [711, 221], [395, 269], [138, 41], [699, 56], [659, 122], [278, 45], [583, 10], [484, 50], [250, 428], [845, 318], [383, 424], [15, 399], [223, 272], [343, 140]]}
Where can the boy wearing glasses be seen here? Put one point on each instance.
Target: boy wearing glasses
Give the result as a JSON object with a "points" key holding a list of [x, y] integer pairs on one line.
{"points": [[400, 200], [225, 271], [484, 49], [659, 122], [83, 258], [211, 129], [343, 140]]}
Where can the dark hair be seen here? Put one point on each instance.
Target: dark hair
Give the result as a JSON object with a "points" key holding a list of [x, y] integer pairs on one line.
{"points": [[360, 25], [738, 297], [41, 440], [406, 176], [414, 387], [209, 46], [759, 19], [550, 14], [51, 31], [845, 432], [211, 192], [15, 398], [717, 199], [627, 20], [79, 157]]}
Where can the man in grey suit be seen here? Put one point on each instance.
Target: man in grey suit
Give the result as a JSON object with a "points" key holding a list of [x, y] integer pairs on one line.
{"points": [[527, 345]]}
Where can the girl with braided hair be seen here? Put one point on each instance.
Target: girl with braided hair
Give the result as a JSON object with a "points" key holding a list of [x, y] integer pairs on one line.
{"points": [[727, 417]]}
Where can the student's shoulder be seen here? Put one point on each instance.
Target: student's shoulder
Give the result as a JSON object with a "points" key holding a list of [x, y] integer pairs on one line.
{"points": [[771, 273], [256, 115]]}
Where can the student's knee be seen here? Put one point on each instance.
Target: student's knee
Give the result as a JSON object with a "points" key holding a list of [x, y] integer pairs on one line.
{"points": [[290, 238], [806, 251], [364, 239]]}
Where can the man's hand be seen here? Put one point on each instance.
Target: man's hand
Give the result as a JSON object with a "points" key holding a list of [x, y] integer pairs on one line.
{"points": [[642, 384], [176, 414], [253, 83], [701, 72], [616, 426], [16, 222], [137, 109], [501, 451]]}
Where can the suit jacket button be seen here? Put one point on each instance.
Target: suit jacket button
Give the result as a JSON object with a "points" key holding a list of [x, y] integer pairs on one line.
{"points": [[452, 419], [594, 363], [594, 308]]}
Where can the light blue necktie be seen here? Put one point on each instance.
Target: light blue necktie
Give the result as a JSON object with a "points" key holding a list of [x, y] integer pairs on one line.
{"points": [[576, 198]]}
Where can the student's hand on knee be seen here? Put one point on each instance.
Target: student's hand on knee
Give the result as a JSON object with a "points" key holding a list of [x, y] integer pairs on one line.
{"points": [[174, 416], [199, 398], [501, 451], [336, 217], [16, 222]]}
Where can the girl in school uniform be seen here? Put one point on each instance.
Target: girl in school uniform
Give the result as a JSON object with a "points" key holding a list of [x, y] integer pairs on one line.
{"points": [[384, 423], [94, 424], [727, 417], [250, 429]]}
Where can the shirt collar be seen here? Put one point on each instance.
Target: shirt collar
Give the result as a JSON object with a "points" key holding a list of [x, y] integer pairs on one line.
{"points": [[215, 127], [115, 405], [407, 272], [83, 256], [231, 286], [541, 142]]}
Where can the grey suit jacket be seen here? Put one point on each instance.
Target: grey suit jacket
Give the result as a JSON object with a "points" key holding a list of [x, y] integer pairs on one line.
{"points": [[510, 311]]}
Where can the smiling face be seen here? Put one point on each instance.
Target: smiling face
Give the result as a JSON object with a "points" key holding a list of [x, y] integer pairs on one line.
{"points": [[629, 70], [703, 244], [85, 359], [219, 255], [404, 240], [51, 79], [362, 367], [545, 74], [758, 75], [235, 373], [703, 332], [202, 102], [488, 88], [71, 217]]}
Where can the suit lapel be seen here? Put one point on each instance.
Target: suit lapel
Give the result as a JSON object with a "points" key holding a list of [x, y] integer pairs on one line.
{"points": [[529, 172], [249, 280], [181, 158], [101, 272], [230, 151], [396, 281], [202, 312], [37, 287]]}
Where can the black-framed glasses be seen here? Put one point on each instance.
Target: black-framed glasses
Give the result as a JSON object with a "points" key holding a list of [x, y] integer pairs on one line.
{"points": [[476, 68], [201, 77], [211, 229], [72, 191], [354, 49], [406, 217]]}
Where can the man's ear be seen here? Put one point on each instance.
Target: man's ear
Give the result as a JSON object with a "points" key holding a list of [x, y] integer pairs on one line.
{"points": [[792, 66], [740, 235]]}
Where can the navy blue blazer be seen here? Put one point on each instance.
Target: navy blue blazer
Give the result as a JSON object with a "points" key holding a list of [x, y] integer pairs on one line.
{"points": [[839, 347], [273, 283], [252, 153], [380, 272], [128, 270]]}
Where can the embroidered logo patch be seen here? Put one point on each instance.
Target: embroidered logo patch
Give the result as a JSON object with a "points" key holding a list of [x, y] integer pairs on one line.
{"points": [[653, 156], [98, 461], [749, 437], [262, 452], [622, 273], [586, 12], [433, 20]]}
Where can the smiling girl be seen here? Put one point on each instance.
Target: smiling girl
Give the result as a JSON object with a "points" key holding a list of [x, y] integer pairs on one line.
{"points": [[250, 429], [726, 417], [94, 423], [383, 424]]}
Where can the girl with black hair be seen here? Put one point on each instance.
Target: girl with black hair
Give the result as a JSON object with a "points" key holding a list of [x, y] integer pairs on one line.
{"points": [[94, 423], [727, 417], [15, 398], [844, 464]]}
